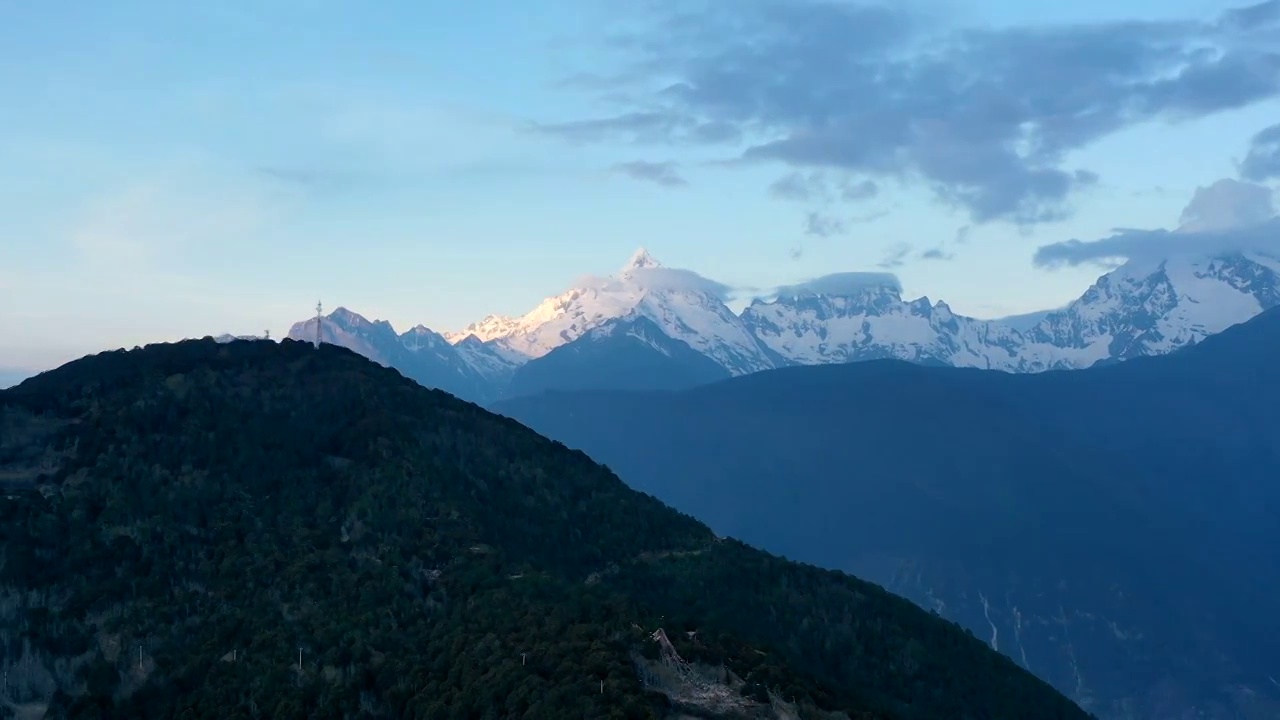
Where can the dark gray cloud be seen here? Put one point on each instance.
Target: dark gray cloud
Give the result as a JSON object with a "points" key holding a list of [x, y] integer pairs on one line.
{"points": [[815, 186], [869, 216], [820, 225], [895, 256], [645, 127], [666, 174], [802, 187], [1160, 244], [1263, 160], [1253, 17], [1227, 216], [984, 117], [854, 191]]}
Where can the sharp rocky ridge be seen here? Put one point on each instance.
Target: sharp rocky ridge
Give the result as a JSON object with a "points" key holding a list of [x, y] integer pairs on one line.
{"points": [[1139, 309]]}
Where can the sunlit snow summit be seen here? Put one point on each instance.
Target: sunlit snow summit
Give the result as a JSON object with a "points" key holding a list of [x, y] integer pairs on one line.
{"points": [[654, 327]]}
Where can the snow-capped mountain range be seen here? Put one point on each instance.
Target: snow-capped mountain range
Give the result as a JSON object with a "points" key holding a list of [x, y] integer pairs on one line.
{"points": [[642, 288], [674, 326]]}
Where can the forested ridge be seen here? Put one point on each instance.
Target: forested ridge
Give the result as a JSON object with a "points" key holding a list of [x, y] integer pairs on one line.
{"points": [[274, 530]]}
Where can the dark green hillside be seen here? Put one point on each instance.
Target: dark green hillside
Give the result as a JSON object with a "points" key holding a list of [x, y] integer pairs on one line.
{"points": [[180, 524]]}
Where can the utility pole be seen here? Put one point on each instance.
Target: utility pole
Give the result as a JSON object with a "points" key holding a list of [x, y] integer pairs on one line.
{"points": [[522, 658], [139, 658], [319, 320], [299, 658]]}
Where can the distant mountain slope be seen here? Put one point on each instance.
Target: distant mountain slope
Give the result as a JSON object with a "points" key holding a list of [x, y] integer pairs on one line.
{"points": [[1149, 308], [258, 529], [491, 362], [420, 354], [626, 354], [673, 300], [874, 324], [1115, 530], [1141, 309]]}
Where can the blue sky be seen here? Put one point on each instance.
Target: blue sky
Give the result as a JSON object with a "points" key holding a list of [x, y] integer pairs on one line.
{"points": [[178, 169]]}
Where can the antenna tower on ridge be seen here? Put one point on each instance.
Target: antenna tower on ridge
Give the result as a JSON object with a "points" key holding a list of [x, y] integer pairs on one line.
{"points": [[319, 320]]}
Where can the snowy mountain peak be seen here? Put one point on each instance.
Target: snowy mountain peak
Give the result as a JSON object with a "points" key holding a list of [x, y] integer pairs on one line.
{"points": [[1156, 307], [640, 260], [491, 327], [1148, 306], [420, 337], [352, 320], [677, 301]]}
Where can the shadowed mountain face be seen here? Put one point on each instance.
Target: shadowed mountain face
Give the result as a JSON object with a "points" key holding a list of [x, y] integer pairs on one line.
{"points": [[419, 353], [1114, 530], [620, 355], [256, 529]]}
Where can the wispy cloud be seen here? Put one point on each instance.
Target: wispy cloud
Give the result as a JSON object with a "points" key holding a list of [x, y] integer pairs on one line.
{"points": [[666, 174], [1159, 244], [986, 118], [1228, 203], [869, 216], [661, 279], [130, 270], [643, 127], [821, 225], [1263, 14], [152, 222], [1263, 161], [895, 256], [802, 187], [816, 186], [818, 190], [1227, 216], [845, 283], [854, 191]]}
